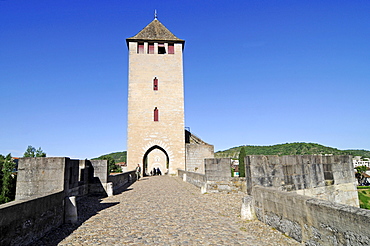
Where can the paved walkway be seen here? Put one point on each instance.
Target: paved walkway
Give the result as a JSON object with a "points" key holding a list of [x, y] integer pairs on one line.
{"points": [[164, 210]]}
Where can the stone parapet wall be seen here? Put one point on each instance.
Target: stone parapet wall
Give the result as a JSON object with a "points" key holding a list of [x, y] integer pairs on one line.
{"points": [[197, 179], [340, 193], [297, 172], [100, 170], [46, 192], [24, 221], [233, 185], [325, 177], [312, 221], [120, 179], [218, 169], [230, 185], [42, 176]]}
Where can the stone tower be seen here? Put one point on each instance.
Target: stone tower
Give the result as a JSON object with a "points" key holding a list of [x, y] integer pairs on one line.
{"points": [[155, 130]]}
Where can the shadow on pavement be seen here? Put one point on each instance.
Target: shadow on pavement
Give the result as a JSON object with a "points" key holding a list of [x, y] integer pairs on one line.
{"points": [[123, 188], [87, 207]]}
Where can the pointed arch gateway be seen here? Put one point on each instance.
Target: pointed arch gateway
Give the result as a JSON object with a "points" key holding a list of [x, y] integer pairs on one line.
{"points": [[155, 157]]}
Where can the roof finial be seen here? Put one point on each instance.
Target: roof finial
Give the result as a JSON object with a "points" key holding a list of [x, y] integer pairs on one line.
{"points": [[155, 14]]}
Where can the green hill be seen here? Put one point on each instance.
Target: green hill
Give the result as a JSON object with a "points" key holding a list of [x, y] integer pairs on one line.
{"points": [[117, 156], [278, 149], [359, 152], [289, 149]]}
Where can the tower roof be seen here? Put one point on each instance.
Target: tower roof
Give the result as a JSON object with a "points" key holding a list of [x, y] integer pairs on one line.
{"points": [[155, 31]]}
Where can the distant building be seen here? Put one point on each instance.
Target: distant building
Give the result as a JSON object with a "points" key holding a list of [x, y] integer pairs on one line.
{"points": [[123, 166], [235, 166], [357, 161]]}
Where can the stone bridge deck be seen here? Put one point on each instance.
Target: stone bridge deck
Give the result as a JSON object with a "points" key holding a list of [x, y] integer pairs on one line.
{"points": [[163, 210]]}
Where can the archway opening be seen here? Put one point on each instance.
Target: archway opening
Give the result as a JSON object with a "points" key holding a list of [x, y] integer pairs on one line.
{"points": [[155, 157]]}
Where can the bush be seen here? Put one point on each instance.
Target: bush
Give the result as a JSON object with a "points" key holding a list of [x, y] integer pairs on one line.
{"points": [[8, 179]]}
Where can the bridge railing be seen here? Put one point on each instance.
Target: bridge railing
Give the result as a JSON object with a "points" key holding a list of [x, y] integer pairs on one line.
{"points": [[121, 179], [197, 179], [229, 185]]}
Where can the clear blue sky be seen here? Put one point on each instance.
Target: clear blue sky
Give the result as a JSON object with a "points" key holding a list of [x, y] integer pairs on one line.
{"points": [[256, 72]]}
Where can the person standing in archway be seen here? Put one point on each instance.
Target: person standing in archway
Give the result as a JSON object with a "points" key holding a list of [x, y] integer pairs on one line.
{"points": [[154, 171], [138, 171]]}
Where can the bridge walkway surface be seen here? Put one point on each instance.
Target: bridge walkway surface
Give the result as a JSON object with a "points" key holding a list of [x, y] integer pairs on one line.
{"points": [[163, 210]]}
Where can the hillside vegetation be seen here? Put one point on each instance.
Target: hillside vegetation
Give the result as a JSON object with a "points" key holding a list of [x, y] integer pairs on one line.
{"points": [[117, 156], [278, 149], [289, 149]]}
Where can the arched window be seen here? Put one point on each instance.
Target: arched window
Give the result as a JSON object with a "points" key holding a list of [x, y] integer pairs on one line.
{"points": [[155, 84], [156, 114]]}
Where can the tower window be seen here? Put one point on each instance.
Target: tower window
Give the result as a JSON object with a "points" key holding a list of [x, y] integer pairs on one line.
{"points": [[171, 49], [155, 84], [150, 48], [161, 49], [156, 114], [140, 48]]}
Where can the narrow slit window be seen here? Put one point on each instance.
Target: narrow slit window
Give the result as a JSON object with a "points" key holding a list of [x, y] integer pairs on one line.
{"points": [[156, 114], [161, 49], [155, 84], [140, 48], [171, 49], [150, 48]]}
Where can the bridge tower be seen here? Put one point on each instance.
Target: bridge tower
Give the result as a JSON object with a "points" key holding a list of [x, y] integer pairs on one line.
{"points": [[155, 130]]}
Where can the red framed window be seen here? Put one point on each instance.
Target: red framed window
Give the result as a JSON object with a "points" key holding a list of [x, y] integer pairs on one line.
{"points": [[171, 49], [140, 48], [150, 48], [156, 114], [155, 84]]}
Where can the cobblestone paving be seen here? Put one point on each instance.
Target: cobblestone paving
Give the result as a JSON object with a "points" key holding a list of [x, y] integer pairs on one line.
{"points": [[164, 210]]}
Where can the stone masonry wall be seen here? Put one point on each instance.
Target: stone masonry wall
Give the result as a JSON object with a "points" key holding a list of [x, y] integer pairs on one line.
{"points": [[312, 221], [195, 155], [24, 221], [46, 175], [197, 179], [196, 151], [40, 176], [217, 169], [232, 185], [325, 177], [45, 193], [121, 179], [98, 184], [143, 132], [217, 177]]}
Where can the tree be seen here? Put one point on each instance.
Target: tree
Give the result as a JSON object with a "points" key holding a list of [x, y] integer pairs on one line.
{"points": [[7, 189], [242, 154], [32, 152], [2, 159], [112, 167], [360, 173]]}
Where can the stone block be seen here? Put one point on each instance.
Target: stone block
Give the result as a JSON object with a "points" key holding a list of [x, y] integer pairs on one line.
{"points": [[71, 210], [247, 209]]}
